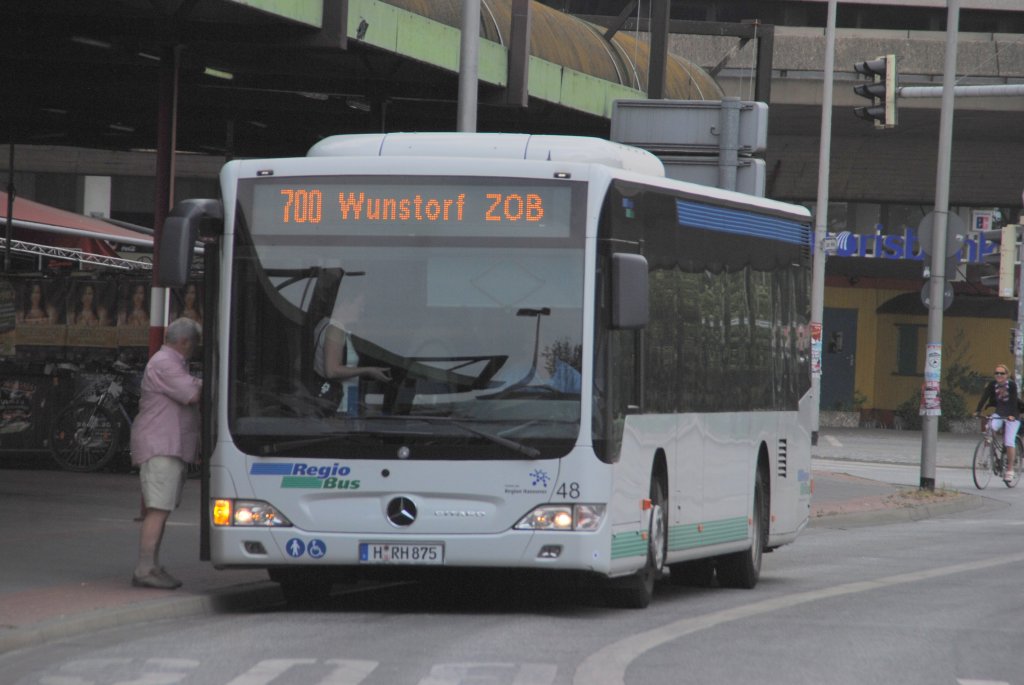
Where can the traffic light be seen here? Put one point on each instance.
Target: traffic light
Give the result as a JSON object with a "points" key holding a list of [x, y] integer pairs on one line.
{"points": [[1006, 259], [881, 91]]}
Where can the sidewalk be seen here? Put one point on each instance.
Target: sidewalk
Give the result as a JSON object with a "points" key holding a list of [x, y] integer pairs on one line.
{"points": [[953, 450], [70, 544]]}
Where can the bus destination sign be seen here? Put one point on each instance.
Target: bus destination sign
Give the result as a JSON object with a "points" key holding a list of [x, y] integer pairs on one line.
{"points": [[466, 207]]}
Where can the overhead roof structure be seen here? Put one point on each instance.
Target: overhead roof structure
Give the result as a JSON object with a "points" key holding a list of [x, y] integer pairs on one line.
{"points": [[271, 77]]}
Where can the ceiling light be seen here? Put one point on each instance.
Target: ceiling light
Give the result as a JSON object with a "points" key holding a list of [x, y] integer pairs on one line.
{"points": [[359, 104], [122, 128], [217, 73], [147, 55], [92, 42]]}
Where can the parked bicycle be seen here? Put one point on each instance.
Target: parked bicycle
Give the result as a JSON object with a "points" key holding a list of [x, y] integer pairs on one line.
{"points": [[990, 458], [95, 427]]}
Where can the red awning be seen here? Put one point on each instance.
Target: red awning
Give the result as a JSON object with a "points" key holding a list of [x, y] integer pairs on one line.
{"points": [[38, 223]]}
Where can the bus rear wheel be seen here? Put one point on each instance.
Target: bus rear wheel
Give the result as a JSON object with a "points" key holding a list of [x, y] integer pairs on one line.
{"points": [[635, 591], [742, 569]]}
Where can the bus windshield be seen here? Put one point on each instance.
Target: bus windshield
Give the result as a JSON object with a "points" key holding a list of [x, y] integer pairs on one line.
{"points": [[454, 307]]}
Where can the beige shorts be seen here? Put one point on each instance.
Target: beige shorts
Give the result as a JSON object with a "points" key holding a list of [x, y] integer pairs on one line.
{"points": [[163, 479]]}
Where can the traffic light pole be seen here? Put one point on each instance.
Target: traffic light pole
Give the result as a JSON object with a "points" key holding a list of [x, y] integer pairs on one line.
{"points": [[821, 221], [995, 90], [469, 66], [930, 395]]}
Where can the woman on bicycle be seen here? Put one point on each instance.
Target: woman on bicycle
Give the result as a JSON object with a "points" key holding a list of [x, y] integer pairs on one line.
{"points": [[1001, 393]]}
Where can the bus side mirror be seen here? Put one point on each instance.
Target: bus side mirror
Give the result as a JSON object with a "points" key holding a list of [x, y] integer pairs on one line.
{"points": [[188, 221], [630, 304]]}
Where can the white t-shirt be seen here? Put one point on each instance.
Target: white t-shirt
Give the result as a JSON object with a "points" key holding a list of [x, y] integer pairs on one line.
{"points": [[348, 355]]}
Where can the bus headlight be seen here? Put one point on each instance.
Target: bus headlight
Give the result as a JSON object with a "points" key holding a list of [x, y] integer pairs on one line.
{"points": [[563, 517], [230, 512]]}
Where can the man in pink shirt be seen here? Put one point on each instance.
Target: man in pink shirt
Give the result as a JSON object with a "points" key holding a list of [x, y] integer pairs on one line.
{"points": [[165, 438]]}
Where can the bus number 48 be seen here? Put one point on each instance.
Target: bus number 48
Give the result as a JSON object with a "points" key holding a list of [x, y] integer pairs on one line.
{"points": [[570, 490]]}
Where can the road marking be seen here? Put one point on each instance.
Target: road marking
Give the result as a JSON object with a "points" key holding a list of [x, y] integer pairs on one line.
{"points": [[348, 671], [480, 672], [155, 671], [608, 665], [832, 440], [268, 669]]}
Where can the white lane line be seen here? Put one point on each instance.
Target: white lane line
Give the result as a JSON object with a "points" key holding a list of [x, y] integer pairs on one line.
{"points": [[267, 670], [832, 440], [607, 666]]}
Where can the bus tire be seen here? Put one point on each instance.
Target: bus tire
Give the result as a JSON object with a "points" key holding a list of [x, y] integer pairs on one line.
{"points": [[742, 569], [303, 588], [635, 591]]}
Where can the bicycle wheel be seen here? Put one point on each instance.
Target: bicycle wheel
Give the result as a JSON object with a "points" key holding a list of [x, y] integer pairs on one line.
{"points": [[1017, 464], [984, 458], [85, 437]]}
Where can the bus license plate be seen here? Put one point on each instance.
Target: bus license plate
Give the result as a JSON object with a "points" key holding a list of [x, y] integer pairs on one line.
{"points": [[400, 553]]}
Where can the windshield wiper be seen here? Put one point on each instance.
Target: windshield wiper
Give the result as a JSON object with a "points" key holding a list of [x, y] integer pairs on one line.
{"points": [[286, 445], [531, 452], [526, 450], [302, 443]]}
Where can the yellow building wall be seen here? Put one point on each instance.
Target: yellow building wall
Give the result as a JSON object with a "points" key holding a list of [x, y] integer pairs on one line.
{"points": [[978, 343]]}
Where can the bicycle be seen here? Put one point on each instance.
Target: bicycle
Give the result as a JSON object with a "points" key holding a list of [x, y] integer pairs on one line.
{"points": [[990, 457], [94, 428]]}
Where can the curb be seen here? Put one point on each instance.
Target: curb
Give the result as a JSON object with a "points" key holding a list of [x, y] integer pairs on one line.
{"points": [[238, 598], [902, 514]]}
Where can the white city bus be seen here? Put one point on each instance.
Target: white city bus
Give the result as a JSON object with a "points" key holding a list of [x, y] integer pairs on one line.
{"points": [[592, 368]]}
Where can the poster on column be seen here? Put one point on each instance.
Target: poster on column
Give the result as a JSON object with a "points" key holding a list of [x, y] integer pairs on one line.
{"points": [[133, 314], [8, 306], [187, 302], [20, 401], [40, 316], [933, 362], [931, 402], [91, 313], [816, 348]]}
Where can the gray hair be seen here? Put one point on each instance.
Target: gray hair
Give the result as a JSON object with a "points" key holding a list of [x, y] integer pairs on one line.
{"points": [[183, 328]]}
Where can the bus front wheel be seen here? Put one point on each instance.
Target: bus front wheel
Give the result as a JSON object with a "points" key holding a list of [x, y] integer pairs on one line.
{"points": [[635, 591]]}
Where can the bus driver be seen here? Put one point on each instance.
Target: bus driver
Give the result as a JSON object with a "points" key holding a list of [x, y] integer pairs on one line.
{"points": [[334, 359]]}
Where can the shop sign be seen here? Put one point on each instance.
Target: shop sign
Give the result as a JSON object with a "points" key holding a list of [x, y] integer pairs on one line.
{"points": [[906, 245]]}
